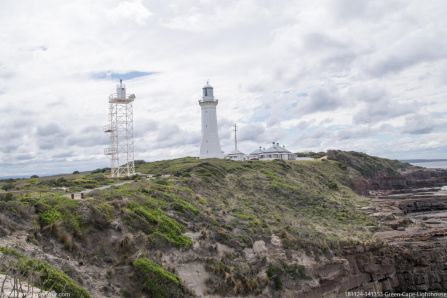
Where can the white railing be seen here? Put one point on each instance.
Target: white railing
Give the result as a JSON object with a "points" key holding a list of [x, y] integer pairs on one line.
{"points": [[202, 101], [114, 98]]}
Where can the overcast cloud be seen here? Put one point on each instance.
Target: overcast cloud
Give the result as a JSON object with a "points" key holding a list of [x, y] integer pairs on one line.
{"points": [[313, 75]]}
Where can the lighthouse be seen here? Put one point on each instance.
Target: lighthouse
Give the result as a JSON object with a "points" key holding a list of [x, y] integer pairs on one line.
{"points": [[210, 147]]}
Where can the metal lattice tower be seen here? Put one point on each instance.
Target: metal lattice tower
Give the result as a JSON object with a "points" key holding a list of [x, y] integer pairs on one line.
{"points": [[120, 129]]}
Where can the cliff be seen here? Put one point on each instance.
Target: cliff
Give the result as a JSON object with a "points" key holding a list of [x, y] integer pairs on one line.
{"points": [[191, 227], [368, 173]]}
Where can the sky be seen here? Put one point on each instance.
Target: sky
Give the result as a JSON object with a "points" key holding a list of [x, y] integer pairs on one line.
{"points": [[368, 76]]}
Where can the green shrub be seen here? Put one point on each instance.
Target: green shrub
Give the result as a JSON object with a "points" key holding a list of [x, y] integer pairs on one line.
{"points": [[49, 277], [158, 282], [274, 272], [161, 228], [54, 208], [8, 186], [7, 197], [50, 216]]}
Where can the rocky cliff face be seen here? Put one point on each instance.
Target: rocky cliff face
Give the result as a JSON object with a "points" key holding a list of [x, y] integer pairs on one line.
{"points": [[369, 173], [411, 254]]}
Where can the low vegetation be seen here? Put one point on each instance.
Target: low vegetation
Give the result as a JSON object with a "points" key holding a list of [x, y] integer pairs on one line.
{"points": [[307, 205], [40, 274], [368, 166], [158, 282], [160, 228]]}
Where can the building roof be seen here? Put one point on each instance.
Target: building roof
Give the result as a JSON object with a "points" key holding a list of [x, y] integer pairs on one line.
{"points": [[257, 151], [237, 152], [207, 85], [275, 148]]}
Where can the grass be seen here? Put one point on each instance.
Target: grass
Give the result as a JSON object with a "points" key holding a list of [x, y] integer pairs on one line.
{"points": [[308, 204], [158, 282], [261, 198], [48, 277], [368, 166], [53, 208], [50, 216], [256, 197], [160, 228], [61, 183]]}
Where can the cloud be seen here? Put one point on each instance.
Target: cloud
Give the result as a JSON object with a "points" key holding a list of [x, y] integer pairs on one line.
{"points": [[216, 16], [252, 132], [421, 123], [131, 10], [322, 99], [109, 75], [376, 105], [412, 49], [171, 135], [355, 133], [87, 137], [50, 129], [382, 110], [355, 75]]}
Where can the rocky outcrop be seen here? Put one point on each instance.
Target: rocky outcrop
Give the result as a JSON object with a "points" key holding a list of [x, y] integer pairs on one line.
{"points": [[410, 255], [391, 269], [373, 173]]}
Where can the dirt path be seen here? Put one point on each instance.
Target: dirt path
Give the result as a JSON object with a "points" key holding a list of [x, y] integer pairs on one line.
{"points": [[78, 195]]}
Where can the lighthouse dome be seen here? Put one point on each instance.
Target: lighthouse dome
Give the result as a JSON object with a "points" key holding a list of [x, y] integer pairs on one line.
{"points": [[208, 93]]}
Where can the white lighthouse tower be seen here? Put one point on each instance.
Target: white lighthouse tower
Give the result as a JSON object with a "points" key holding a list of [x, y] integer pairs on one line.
{"points": [[210, 147]]}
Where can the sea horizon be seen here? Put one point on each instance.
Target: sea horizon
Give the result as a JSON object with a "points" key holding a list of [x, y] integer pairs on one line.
{"points": [[428, 163]]}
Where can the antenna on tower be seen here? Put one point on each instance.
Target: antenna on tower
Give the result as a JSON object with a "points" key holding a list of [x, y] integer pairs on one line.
{"points": [[235, 137]]}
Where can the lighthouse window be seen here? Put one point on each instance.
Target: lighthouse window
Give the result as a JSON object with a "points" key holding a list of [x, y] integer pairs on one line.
{"points": [[205, 92]]}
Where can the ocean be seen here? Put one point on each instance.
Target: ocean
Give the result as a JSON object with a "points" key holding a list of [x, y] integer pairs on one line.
{"points": [[430, 164]]}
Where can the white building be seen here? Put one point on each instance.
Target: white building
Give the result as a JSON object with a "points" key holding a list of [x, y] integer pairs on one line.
{"points": [[274, 152], [210, 146], [236, 155], [255, 154]]}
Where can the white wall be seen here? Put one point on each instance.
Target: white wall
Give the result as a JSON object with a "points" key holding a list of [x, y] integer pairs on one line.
{"points": [[210, 147]]}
